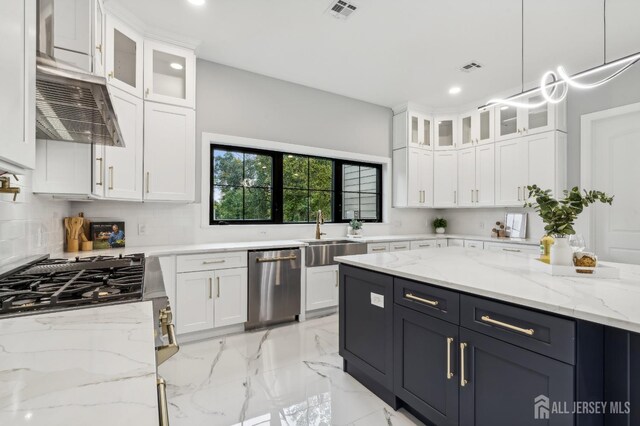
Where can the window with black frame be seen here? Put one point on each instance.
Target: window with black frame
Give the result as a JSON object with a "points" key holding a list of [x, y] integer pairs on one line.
{"points": [[259, 186]]}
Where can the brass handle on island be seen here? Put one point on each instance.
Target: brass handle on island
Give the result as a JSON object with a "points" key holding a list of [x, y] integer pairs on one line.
{"points": [[527, 331], [421, 300], [463, 380], [449, 373]]}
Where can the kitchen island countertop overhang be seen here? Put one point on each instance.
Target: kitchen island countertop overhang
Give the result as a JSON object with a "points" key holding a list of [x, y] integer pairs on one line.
{"points": [[508, 277]]}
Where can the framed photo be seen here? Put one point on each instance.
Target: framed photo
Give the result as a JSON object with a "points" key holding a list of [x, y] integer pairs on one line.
{"points": [[107, 235]]}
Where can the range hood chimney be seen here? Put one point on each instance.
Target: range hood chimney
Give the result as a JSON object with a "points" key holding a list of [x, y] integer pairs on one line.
{"points": [[71, 104]]}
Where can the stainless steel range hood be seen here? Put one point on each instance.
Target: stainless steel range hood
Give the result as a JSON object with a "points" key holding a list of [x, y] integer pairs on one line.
{"points": [[71, 104]]}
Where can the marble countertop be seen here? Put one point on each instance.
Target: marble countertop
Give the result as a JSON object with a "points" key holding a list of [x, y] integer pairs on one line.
{"points": [[509, 277], [415, 237], [93, 366]]}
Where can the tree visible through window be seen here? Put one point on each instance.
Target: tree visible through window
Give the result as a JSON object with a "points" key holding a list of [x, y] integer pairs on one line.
{"points": [[307, 187]]}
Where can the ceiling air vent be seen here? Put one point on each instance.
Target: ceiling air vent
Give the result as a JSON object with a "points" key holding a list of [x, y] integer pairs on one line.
{"points": [[341, 9], [471, 66]]}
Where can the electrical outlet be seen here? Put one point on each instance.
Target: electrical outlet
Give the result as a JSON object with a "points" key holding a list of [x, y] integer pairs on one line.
{"points": [[377, 300], [142, 229]]}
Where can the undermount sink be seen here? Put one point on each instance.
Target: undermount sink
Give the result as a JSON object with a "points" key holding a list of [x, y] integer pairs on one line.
{"points": [[323, 252]]}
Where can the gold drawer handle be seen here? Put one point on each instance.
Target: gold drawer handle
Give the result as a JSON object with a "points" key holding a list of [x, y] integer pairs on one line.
{"points": [[378, 249], [211, 262], [463, 380], [420, 299], [527, 331], [449, 373]]}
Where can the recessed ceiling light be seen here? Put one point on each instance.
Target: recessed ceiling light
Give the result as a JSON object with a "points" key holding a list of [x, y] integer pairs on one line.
{"points": [[197, 2], [455, 90], [176, 66]]}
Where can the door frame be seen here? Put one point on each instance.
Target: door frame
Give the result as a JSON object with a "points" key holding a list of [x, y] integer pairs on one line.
{"points": [[586, 146]]}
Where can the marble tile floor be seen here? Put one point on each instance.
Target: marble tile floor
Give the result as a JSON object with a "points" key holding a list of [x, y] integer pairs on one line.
{"points": [[287, 375]]}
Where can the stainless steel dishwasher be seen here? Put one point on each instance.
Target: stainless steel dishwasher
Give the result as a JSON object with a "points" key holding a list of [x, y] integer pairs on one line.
{"points": [[274, 287]]}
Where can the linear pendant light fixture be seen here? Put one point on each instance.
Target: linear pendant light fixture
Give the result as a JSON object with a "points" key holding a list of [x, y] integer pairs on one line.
{"points": [[554, 85]]}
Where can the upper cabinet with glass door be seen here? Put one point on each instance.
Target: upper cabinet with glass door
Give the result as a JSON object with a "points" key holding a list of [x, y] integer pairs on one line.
{"points": [[169, 74], [412, 130], [541, 117], [476, 127], [446, 132], [124, 57]]}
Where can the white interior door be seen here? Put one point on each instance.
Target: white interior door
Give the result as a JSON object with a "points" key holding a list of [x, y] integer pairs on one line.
{"points": [[611, 148]]}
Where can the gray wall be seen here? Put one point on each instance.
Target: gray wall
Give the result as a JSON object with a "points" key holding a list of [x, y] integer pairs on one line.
{"points": [[623, 90]]}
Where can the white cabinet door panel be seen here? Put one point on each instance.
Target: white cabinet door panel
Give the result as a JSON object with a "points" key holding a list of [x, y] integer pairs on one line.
{"points": [[511, 173], [124, 57], [194, 301], [322, 287], [466, 177], [445, 179], [485, 175], [72, 26], [231, 301]]}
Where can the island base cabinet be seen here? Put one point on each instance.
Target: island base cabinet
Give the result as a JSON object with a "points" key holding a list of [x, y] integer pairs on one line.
{"points": [[622, 377], [425, 375], [504, 385], [366, 327]]}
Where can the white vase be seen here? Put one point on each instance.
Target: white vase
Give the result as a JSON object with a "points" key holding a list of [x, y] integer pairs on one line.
{"points": [[439, 230], [561, 252]]}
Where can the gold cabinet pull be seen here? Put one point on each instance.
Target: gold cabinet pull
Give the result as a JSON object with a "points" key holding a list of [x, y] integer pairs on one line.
{"points": [[422, 300], [218, 287], [210, 288], [99, 47], [449, 372], [146, 92], [512, 250], [210, 262], [527, 331], [110, 75], [463, 380], [101, 171], [378, 249], [337, 278], [148, 178], [477, 196]]}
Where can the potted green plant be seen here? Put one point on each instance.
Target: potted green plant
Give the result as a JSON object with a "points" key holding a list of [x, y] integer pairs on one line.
{"points": [[355, 226], [440, 225], [559, 216]]}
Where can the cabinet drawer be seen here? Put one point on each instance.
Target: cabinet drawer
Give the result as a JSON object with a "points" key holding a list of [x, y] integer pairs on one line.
{"points": [[430, 300], [512, 248], [399, 246], [377, 247], [455, 242], [211, 261], [473, 244], [545, 334], [416, 245]]}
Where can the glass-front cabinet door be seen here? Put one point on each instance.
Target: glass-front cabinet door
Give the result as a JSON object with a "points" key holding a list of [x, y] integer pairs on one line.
{"points": [[446, 132], [169, 74], [420, 131], [467, 124], [124, 57], [507, 125], [484, 126]]}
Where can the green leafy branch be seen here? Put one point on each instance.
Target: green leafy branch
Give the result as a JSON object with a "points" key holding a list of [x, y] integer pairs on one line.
{"points": [[559, 215]]}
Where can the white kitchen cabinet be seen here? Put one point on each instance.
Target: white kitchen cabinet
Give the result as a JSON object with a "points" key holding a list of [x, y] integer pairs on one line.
{"points": [[399, 246], [169, 152], [514, 122], [124, 57], [412, 178], [442, 243], [485, 175], [322, 287], [17, 85], [538, 159], [98, 47], [467, 177], [194, 301], [230, 299], [512, 248], [62, 168], [455, 242], [473, 244], [416, 245], [445, 179], [446, 132], [412, 130], [476, 127], [72, 29], [377, 247], [169, 74], [117, 171]]}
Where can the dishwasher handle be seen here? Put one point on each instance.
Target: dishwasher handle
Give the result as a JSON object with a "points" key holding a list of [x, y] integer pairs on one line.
{"points": [[276, 259]]}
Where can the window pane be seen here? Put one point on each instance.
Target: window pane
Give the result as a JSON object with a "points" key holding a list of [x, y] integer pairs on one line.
{"points": [[368, 179], [257, 170], [368, 206], [295, 171], [257, 204], [320, 174], [227, 203], [351, 178], [296, 205], [320, 200], [227, 168], [350, 205]]}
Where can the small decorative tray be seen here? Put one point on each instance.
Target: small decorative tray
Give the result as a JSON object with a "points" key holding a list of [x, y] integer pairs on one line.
{"points": [[600, 271]]}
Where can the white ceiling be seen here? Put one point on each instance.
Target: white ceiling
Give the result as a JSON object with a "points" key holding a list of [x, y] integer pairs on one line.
{"points": [[393, 51]]}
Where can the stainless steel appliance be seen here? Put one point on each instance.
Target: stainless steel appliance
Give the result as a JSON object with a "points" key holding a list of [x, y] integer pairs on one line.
{"points": [[322, 253], [42, 285], [274, 287], [71, 104]]}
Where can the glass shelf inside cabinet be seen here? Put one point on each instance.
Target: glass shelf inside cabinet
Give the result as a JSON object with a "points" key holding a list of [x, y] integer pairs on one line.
{"points": [[508, 120], [538, 117], [445, 133], [169, 75]]}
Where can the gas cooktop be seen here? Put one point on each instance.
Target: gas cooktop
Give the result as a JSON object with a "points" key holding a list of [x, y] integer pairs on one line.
{"points": [[57, 284]]}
